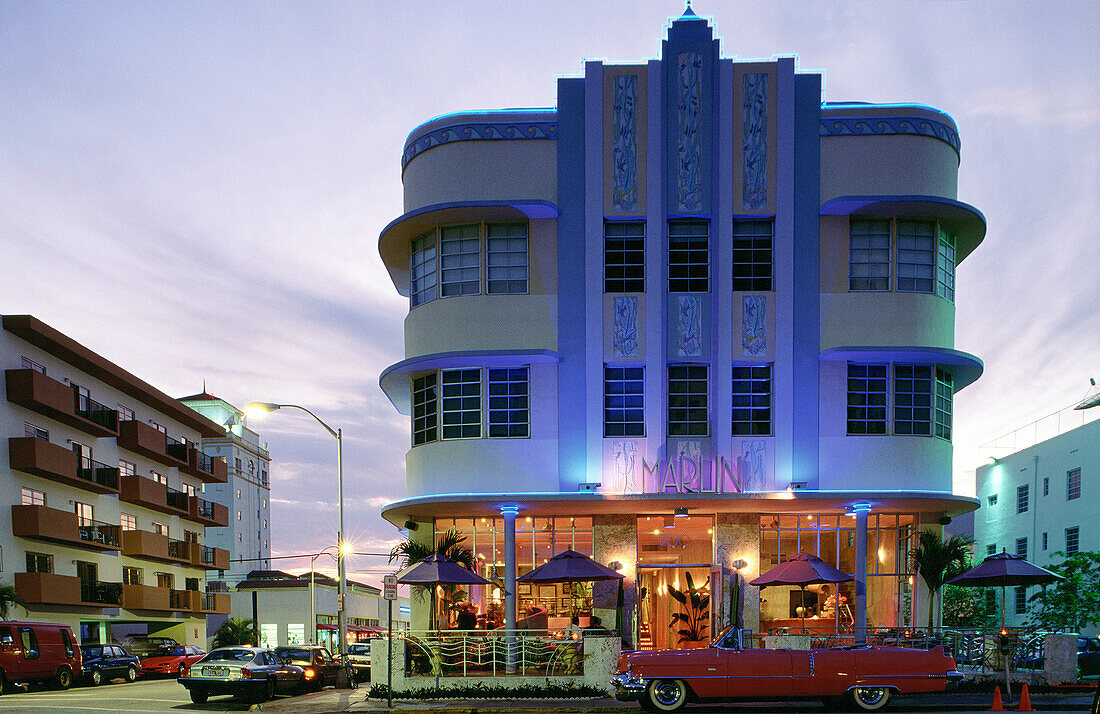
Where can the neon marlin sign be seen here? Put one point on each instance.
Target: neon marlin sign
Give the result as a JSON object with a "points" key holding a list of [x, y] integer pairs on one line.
{"points": [[686, 474]]}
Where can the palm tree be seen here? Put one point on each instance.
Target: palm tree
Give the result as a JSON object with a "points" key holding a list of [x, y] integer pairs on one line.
{"points": [[449, 545], [9, 597], [935, 557], [236, 631]]}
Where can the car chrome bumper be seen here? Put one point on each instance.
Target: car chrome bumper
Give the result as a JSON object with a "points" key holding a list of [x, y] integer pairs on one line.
{"points": [[627, 688]]}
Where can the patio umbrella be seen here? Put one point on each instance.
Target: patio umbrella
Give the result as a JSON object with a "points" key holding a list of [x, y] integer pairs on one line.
{"points": [[439, 570], [568, 567], [803, 569], [1002, 570]]}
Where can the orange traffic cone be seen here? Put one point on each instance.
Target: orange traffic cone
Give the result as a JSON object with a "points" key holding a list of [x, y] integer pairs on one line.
{"points": [[997, 706], [1025, 701]]}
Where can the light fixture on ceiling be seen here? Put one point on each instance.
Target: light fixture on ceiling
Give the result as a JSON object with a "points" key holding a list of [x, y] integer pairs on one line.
{"points": [[670, 522], [680, 512]]}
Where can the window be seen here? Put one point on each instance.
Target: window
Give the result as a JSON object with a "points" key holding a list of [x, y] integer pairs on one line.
{"points": [[869, 255], [29, 363], [422, 267], [1046, 485], [159, 477], [125, 413], [945, 390], [460, 260], [160, 528], [188, 489], [945, 280], [238, 515], [1044, 540], [83, 454], [623, 257], [31, 497], [991, 549], [39, 563], [992, 500], [687, 400], [30, 643], [128, 521], [752, 255], [866, 399], [1073, 485], [1072, 540], [159, 427], [1021, 600], [251, 467], [35, 431], [508, 406], [237, 464], [1022, 498], [165, 580], [623, 401], [688, 257], [752, 401], [238, 493], [126, 468], [83, 396], [913, 399], [916, 256], [85, 513], [131, 575], [67, 643], [506, 258], [240, 538], [425, 407], [461, 403], [265, 503], [1021, 547]]}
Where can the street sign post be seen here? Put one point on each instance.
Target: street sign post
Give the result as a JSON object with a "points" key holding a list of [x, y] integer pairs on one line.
{"points": [[389, 586]]}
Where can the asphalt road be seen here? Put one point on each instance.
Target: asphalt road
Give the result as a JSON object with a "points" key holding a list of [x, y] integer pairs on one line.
{"points": [[160, 695]]}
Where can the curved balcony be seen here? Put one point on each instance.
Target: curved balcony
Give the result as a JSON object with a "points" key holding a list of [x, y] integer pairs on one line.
{"points": [[482, 466]]}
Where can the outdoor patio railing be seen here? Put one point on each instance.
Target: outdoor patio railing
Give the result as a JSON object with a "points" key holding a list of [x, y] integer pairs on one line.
{"points": [[487, 653]]}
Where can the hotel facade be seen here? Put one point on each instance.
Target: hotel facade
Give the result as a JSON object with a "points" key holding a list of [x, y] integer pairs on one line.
{"points": [[692, 320]]}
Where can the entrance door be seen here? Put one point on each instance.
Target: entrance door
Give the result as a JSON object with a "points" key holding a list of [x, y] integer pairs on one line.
{"points": [[666, 622]]}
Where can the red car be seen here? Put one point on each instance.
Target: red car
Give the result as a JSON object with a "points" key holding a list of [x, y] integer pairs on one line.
{"points": [[864, 676], [172, 660]]}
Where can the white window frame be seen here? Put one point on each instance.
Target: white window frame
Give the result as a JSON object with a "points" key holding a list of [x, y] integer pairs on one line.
{"points": [[866, 399], [505, 260], [917, 255], [423, 275], [461, 398], [867, 271], [425, 408], [32, 497], [460, 260]]}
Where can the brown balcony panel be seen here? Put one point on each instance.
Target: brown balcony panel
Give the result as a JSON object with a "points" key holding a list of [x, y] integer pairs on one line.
{"points": [[146, 597], [35, 391], [48, 588], [208, 469], [57, 526], [185, 600], [41, 458], [141, 438], [147, 545], [214, 603], [212, 558], [208, 513], [150, 494]]}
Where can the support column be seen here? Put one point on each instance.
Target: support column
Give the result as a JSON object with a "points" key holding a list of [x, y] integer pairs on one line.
{"points": [[509, 514], [861, 511]]}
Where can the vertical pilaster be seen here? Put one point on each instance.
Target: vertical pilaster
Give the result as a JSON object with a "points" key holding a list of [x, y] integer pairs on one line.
{"points": [[860, 613], [509, 514]]}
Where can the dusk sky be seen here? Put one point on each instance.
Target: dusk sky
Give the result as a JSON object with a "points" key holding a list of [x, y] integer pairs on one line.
{"points": [[195, 191]]}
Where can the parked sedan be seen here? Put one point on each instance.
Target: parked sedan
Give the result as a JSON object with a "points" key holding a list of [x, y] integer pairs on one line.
{"points": [[316, 662], [102, 663], [173, 660], [253, 673], [865, 677]]}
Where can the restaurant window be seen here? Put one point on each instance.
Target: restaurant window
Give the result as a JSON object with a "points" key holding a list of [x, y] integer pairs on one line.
{"points": [[752, 400], [866, 399], [506, 258], [688, 256], [461, 403], [624, 257], [422, 268], [688, 409], [1020, 599], [508, 402], [752, 255]]}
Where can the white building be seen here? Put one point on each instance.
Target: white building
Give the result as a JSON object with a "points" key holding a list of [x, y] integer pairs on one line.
{"points": [[1038, 501]]}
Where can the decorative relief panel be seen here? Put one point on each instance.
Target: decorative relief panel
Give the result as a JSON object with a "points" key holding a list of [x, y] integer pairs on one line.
{"points": [[479, 131], [689, 147], [625, 454], [626, 326], [624, 143], [754, 185], [753, 465], [885, 126], [690, 322], [688, 450], [754, 323]]}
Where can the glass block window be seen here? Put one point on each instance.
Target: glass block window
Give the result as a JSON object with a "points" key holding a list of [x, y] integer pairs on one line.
{"points": [[945, 266], [869, 255], [1023, 497], [687, 400], [509, 414], [460, 260], [1072, 540], [688, 256], [916, 256], [866, 399], [461, 403], [1020, 599], [623, 257], [1073, 484], [752, 255], [506, 258], [913, 399], [623, 401], [425, 408], [1021, 547], [422, 268], [944, 393], [752, 401]]}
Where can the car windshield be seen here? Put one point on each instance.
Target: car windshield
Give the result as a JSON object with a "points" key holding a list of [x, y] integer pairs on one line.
{"points": [[359, 650], [295, 654], [727, 638], [169, 651], [230, 655], [93, 651]]}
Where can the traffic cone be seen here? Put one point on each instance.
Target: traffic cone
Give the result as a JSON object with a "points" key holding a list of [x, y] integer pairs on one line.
{"points": [[1025, 701], [997, 706]]}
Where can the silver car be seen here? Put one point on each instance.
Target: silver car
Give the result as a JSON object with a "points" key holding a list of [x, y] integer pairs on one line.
{"points": [[253, 673]]}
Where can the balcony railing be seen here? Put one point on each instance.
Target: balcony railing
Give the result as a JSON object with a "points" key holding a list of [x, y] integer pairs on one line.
{"points": [[97, 473], [177, 499], [175, 448], [206, 556], [57, 463], [101, 593], [102, 534], [44, 395], [208, 513], [95, 412], [179, 549], [452, 653]]}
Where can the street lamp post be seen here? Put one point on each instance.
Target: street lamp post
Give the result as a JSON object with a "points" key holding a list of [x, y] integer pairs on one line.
{"points": [[312, 605], [337, 434]]}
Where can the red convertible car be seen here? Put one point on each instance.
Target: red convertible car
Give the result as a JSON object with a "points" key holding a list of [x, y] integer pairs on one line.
{"points": [[864, 676]]}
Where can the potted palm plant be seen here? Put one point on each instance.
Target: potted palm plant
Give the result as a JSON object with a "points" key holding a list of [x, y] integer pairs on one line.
{"points": [[693, 622]]}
